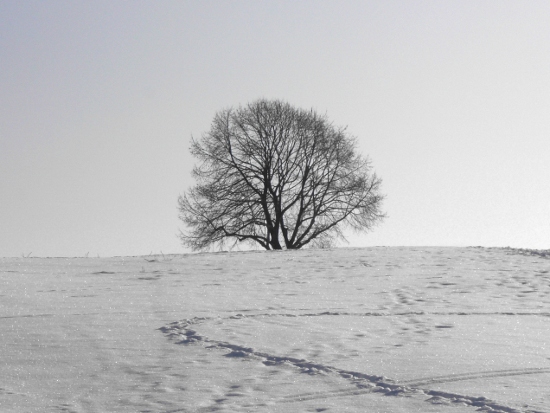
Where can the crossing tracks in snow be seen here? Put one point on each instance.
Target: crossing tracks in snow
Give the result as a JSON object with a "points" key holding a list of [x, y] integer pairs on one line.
{"points": [[185, 332]]}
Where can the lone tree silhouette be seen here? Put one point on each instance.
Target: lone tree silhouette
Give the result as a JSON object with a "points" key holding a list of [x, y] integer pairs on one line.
{"points": [[279, 176]]}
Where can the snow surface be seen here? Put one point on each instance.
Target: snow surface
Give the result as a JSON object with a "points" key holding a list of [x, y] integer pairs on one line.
{"points": [[344, 330]]}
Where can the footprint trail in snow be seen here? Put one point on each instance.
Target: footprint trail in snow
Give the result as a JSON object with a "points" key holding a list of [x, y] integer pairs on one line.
{"points": [[440, 315], [387, 330]]}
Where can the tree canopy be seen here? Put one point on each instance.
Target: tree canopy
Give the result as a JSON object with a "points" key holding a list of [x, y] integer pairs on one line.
{"points": [[279, 176]]}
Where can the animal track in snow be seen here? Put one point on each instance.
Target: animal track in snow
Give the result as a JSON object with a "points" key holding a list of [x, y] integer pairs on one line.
{"points": [[184, 332]]}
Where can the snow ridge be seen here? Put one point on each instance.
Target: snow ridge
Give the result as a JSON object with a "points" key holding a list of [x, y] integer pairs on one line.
{"points": [[183, 333]]}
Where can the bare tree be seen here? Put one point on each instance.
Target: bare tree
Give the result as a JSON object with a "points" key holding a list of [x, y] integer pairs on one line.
{"points": [[278, 176]]}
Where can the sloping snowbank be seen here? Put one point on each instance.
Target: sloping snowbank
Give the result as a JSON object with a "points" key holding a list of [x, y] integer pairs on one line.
{"points": [[376, 329]]}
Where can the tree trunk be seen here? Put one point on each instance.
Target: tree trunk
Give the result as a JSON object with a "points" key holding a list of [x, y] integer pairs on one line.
{"points": [[274, 242]]}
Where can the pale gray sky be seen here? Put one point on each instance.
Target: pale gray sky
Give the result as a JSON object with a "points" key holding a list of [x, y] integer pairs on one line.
{"points": [[98, 100]]}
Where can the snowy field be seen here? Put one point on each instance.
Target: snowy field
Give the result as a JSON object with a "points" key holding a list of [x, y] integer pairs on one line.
{"points": [[345, 330]]}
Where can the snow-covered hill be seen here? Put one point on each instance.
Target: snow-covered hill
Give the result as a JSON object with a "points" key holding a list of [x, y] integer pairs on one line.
{"points": [[344, 330]]}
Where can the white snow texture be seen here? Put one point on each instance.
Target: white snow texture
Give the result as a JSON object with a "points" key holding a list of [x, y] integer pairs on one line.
{"points": [[346, 330]]}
